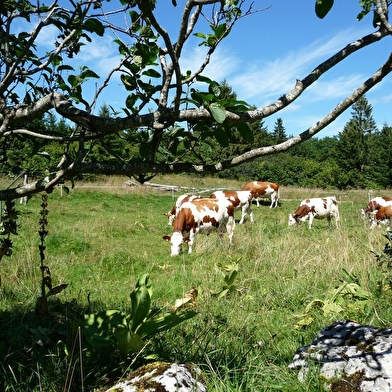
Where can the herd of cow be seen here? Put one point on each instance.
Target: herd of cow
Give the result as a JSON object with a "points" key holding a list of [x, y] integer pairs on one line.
{"points": [[191, 214]]}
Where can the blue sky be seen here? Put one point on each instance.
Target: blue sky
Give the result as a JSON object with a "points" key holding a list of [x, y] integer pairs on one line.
{"points": [[265, 54]]}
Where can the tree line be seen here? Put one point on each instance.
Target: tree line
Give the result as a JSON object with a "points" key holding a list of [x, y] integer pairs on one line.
{"points": [[358, 157], [146, 135]]}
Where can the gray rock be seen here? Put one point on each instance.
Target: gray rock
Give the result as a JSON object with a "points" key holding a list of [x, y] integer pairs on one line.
{"points": [[163, 377], [345, 350]]}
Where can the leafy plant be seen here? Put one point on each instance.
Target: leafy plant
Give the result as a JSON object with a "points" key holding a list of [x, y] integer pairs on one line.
{"points": [[131, 331], [8, 226], [230, 273], [348, 297], [41, 307], [384, 261]]}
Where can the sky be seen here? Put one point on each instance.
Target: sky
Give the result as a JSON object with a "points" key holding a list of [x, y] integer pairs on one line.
{"points": [[267, 51]]}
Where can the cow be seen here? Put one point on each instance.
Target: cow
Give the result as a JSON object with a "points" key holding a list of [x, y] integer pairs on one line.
{"points": [[204, 215], [375, 204], [264, 190], [240, 200], [383, 216], [319, 208], [180, 200]]}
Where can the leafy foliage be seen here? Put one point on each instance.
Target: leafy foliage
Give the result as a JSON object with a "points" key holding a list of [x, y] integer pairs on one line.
{"points": [[8, 226], [130, 331], [348, 299]]}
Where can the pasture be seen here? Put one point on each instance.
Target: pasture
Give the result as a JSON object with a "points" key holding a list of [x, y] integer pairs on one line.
{"points": [[104, 236]]}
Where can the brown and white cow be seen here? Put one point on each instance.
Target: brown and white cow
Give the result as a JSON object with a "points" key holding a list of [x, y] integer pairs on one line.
{"points": [[375, 204], [263, 190], [240, 200], [319, 208], [180, 200], [382, 216], [204, 215]]}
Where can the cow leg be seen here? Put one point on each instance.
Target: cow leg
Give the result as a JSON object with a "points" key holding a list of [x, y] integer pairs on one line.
{"points": [[192, 236], [250, 212], [243, 214], [230, 226], [311, 217], [244, 211]]}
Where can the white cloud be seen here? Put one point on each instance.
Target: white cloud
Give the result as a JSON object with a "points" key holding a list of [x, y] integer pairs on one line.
{"points": [[223, 62], [271, 79]]}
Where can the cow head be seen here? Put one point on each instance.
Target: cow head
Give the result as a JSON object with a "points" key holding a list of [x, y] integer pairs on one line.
{"points": [[176, 241], [293, 220]]}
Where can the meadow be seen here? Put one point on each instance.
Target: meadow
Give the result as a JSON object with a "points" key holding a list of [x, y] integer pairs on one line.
{"points": [[104, 235]]}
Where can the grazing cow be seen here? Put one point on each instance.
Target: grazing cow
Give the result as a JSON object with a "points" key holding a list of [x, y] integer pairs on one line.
{"points": [[203, 215], [319, 208], [180, 200], [264, 190], [240, 200], [383, 216], [375, 204]]}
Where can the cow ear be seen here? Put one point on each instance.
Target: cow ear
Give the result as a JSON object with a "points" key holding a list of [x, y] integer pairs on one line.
{"points": [[166, 237]]}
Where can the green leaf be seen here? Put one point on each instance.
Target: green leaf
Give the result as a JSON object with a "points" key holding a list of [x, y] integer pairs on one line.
{"points": [[162, 323], [323, 7], [220, 30], [229, 278], [141, 303], [65, 68], [218, 112], [245, 131], [97, 327], [221, 136], [152, 72], [128, 82], [200, 35], [94, 26], [332, 309], [128, 341]]}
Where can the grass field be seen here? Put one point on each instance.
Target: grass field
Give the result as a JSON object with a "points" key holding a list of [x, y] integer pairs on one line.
{"points": [[103, 236]]}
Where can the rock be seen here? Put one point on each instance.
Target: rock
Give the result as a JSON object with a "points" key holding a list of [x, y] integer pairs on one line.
{"points": [[350, 354], [163, 377]]}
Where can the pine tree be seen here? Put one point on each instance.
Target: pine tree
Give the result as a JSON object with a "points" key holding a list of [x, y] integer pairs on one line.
{"points": [[355, 152], [279, 132]]}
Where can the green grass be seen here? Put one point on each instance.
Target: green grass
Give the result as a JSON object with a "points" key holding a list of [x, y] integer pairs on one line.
{"points": [[102, 240]]}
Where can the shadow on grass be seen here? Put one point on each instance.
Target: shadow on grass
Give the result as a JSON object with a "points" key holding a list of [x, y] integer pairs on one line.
{"points": [[49, 354]]}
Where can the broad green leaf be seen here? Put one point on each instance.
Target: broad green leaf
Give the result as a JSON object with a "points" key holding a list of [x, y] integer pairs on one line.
{"points": [[332, 308], [218, 112], [215, 89], [65, 68], [316, 303], [305, 322], [140, 303], [128, 341], [146, 32], [221, 136], [152, 72], [98, 327], [223, 293], [163, 323], [323, 7], [220, 30], [229, 278], [245, 131], [131, 101], [94, 26], [128, 82], [200, 35]]}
